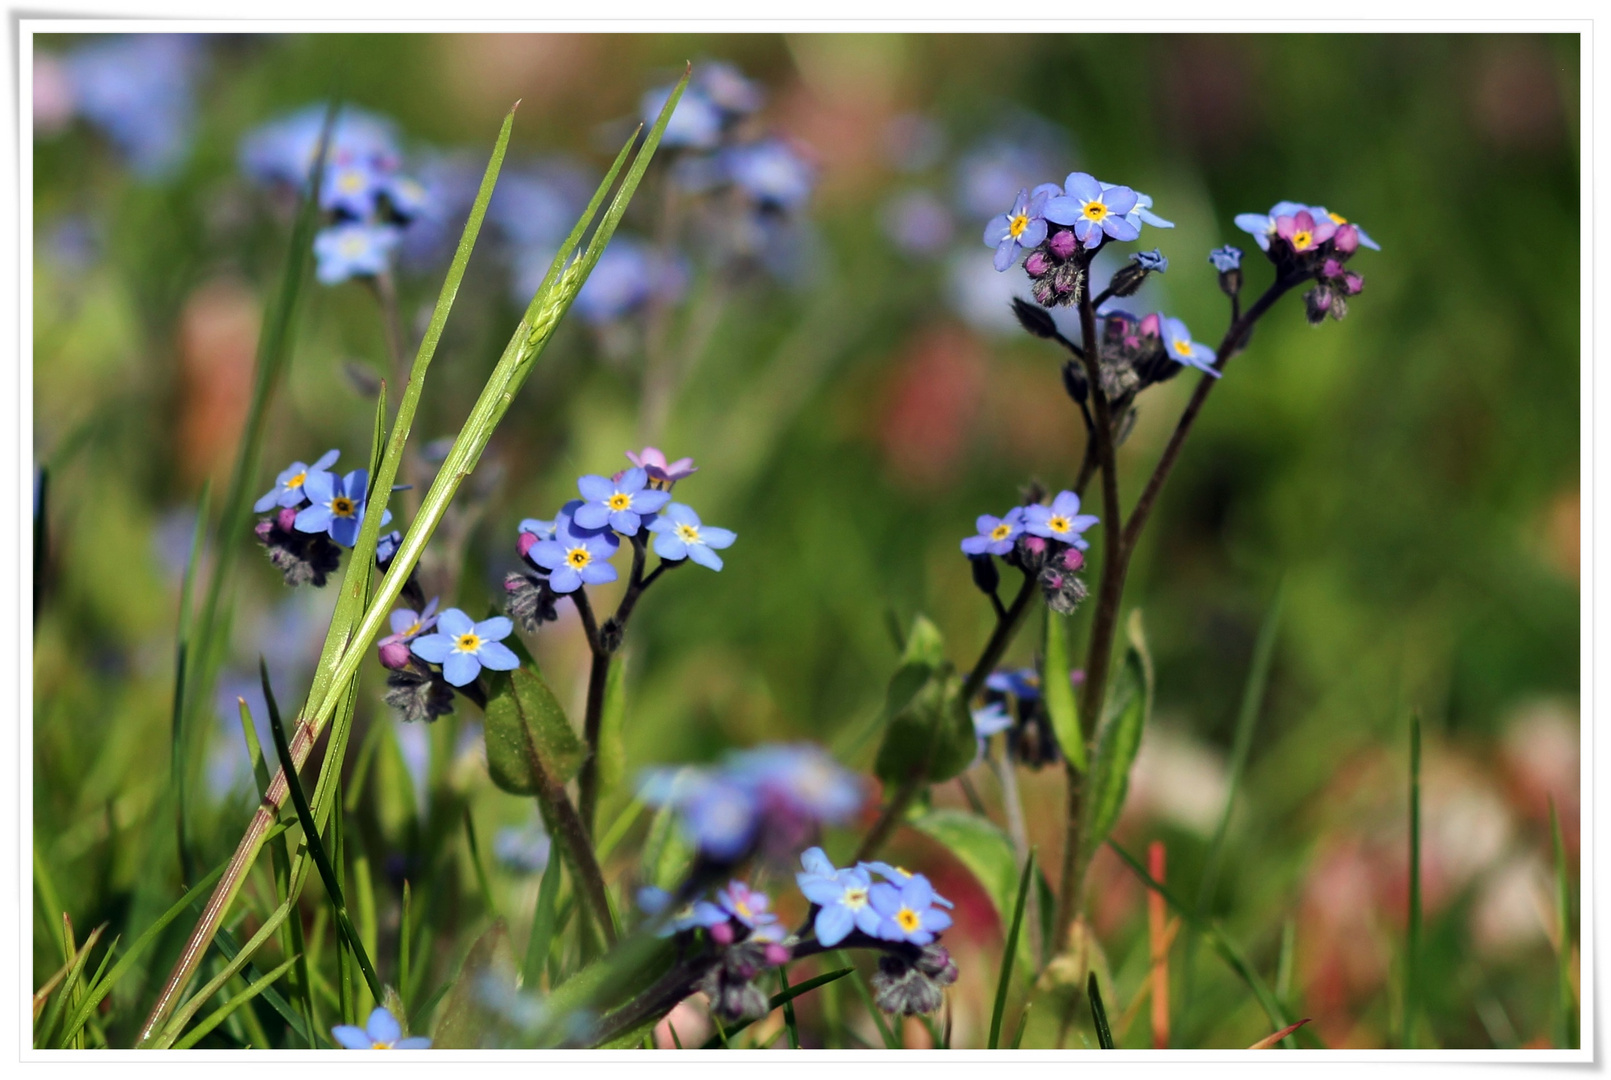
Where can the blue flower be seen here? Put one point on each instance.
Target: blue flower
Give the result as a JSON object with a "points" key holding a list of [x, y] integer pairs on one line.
{"points": [[1225, 259], [1182, 349], [406, 626], [283, 151], [137, 88], [990, 720], [1151, 261], [387, 545], [908, 913], [575, 556], [288, 486], [725, 86], [1262, 226], [699, 914], [1094, 209], [696, 122], [627, 276], [337, 505], [771, 172], [620, 504], [996, 535], [900, 876], [463, 647], [383, 1032], [1060, 521], [745, 904], [353, 249], [801, 779], [842, 897], [680, 535], [1024, 226], [1022, 683], [719, 817], [1142, 214], [351, 187], [523, 849]]}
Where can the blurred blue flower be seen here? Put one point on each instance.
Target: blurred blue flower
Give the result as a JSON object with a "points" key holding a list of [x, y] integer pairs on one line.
{"points": [[1060, 521], [463, 646], [337, 505], [1021, 683], [282, 151], [382, 1032], [575, 556], [628, 275], [1182, 349], [842, 897], [538, 204], [351, 188], [523, 849], [288, 486], [696, 123], [699, 914], [1023, 148], [620, 504], [747, 905], [771, 171], [1225, 259], [1024, 226], [725, 87], [996, 535], [718, 816], [908, 913], [990, 720], [679, 535], [386, 546], [137, 88], [354, 249], [1095, 210], [918, 223]]}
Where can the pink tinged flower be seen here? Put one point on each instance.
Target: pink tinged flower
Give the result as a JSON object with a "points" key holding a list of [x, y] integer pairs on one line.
{"points": [[1303, 232], [1150, 325], [652, 461]]}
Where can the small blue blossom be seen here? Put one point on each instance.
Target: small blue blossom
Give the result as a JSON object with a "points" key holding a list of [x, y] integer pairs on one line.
{"points": [[354, 249], [575, 556], [745, 904], [701, 914], [337, 505], [908, 913], [725, 86], [463, 646], [771, 172], [679, 534], [696, 122], [387, 546], [351, 188], [1262, 226], [1142, 214], [1151, 261], [523, 849], [842, 897], [1095, 210], [990, 720], [1022, 227], [620, 504], [383, 1032], [900, 876], [137, 88], [1060, 521], [288, 486], [996, 535], [718, 816], [1021, 683], [1182, 349], [282, 152], [801, 778], [1225, 259]]}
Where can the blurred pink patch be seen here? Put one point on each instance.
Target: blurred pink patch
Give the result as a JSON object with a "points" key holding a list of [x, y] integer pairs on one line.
{"points": [[53, 95], [929, 407], [1539, 757], [692, 1021], [217, 345]]}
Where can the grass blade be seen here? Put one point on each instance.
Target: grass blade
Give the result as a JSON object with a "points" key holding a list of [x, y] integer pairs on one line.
{"points": [[1099, 1015], [542, 922], [789, 1021], [475, 861], [1023, 1022], [1004, 980], [782, 999], [1412, 944], [1270, 1040], [222, 1013], [884, 1032], [64, 995]]}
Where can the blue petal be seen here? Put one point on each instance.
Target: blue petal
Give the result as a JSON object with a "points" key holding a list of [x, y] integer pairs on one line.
{"points": [[717, 538], [266, 502], [1082, 187], [324, 463], [595, 488], [625, 522], [647, 502], [704, 556], [834, 924], [867, 921], [344, 531], [1033, 233], [1063, 210], [1004, 254], [413, 1042], [432, 647], [599, 573], [1119, 228], [1152, 219], [494, 629], [593, 515], [352, 1038], [816, 861], [383, 1026], [564, 580], [633, 481], [455, 623], [460, 668], [314, 519], [997, 230], [668, 545], [320, 487], [497, 656]]}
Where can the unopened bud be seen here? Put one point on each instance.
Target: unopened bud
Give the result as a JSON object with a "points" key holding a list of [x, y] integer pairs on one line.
{"points": [[985, 575], [526, 542], [1061, 243], [394, 654]]}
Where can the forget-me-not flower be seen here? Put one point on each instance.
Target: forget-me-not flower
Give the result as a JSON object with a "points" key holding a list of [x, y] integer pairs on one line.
{"points": [[620, 504], [842, 897], [1021, 683], [338, 505], [908, 913], [288, 486], [1141, 213], [1095, 210], [353, 249], [383, 1032], [1024, 226], [679, 534], [771, 172], [996, 535], [407, 625], [463, 646], [1182, 349], [575, 556], [1060, 521], [662, 473], [695, 123]]}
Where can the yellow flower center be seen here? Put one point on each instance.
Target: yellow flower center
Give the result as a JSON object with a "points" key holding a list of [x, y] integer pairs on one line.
{"points": [[1301, 240], [854, 899], [341, 506], [1182, 347], [354, 245], [1000, 532], [578, 557], [381, 1046], [1336, 219], [908, 919], [742, 910], [412, 630], [688, 534], [1096, 210], [619, 501], [350, 181], [468, 643], [1017, 225], [296, 481], [1059, 524]]}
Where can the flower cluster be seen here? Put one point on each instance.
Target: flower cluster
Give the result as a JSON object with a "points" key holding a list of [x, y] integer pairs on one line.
{"points": [[311, 511], [1311, 242], [901, 907], [1041, 540], [366, 198], [1013, 703], [429, 656], [748, 938], [769, 800], [575, 548]]}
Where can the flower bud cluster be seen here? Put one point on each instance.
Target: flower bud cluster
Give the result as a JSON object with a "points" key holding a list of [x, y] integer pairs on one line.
{"points": [[1312, 242], [1043, 541], [312, 514]]}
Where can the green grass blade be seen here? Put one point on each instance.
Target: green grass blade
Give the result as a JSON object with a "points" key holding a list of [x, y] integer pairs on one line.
{"points": [[177, 755], [310, 836], [1099, 1014], [618, 828], [1568, 1008], [1412, 943], [231, 949], [254, 749], [1004, 979], [1023, 1023], [783, 999], [475, 861], [405, 929], [542, 922], [186, 1012], [866, 995], [64, 995], [223, 1012], [789, 1020], [1258, 679], [1214, 936]]}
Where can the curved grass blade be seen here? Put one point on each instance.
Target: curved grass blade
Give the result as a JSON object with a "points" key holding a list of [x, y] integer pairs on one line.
{"points": [[1099, 1014], [542, 923], [64, 993], [222, 1013], [1270, 1040], [1010, 950]]}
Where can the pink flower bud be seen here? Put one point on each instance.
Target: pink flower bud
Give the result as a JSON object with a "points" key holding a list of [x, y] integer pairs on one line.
{"points": [[1354, 284], [1037, 263], [1035, 544], [1054, 580], [722, 933], [525, 543], [1331, 269], [1346, 239], [1062, 243], [394, 654], [1073, 560], [286, 519], [1149, 326], [777, 955]]}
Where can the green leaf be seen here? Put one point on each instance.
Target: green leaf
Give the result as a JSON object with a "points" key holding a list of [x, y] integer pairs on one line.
{"points": [[988, 854], [466, 1016], [924, 645], [1009, 948], [1099, 1014], [1127, 713], [527, 733], [1059, 691], [931, 737]]}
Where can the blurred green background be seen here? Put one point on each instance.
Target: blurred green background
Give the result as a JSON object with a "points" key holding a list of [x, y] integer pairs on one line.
{"points": [[1410, 473]]}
